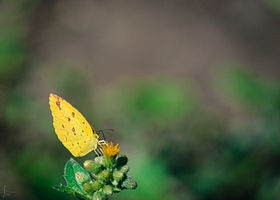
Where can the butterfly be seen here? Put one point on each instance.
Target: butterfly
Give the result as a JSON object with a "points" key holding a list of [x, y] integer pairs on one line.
{"points": [[72, 128]]}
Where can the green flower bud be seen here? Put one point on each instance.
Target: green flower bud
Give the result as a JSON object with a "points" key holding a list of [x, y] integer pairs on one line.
{"points": [[117, 175], [108, 190], [108, 162], [100, 160], [81, 178], [129, 183], [96, 185], [116, 190], [92, 166], [103, 176], [115, 183], [97, 196], [121, 161], [88, 188], [124, 169]]}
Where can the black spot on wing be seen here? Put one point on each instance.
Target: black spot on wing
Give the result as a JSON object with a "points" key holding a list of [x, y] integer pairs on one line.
{"points": [[74, 131], [57, 101]]}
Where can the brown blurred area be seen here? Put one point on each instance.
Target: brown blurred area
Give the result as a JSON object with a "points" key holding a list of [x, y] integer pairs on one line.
{"points": [[184, 39], [187, 40]]}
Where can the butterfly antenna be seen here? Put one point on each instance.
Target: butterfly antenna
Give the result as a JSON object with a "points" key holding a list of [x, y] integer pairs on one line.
{"points": [[108, 129], [102, 131]]}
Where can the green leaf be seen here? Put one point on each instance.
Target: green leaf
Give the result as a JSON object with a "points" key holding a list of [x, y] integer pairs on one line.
{"points": [[70, 190], [75, 175], [63, 188]]}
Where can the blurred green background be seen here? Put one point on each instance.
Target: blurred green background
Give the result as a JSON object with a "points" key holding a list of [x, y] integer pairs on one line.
{"points": [[190, 87]]}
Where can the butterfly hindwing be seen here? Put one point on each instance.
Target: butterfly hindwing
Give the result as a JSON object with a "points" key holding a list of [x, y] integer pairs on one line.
{"points": [[71, 127]]}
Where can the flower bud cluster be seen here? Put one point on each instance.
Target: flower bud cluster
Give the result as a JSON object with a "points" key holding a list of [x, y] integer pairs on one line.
{"points": [[109, 175], [100, 178]]}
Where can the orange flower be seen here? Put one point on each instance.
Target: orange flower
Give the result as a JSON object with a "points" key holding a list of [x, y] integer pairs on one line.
{"points": [[110, 150]]}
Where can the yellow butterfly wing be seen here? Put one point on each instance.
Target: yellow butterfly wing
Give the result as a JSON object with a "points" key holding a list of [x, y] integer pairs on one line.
{"points": [[72, 128]]}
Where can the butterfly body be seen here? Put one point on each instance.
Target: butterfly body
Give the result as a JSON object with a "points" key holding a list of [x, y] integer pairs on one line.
{"points": [[72, 128]]}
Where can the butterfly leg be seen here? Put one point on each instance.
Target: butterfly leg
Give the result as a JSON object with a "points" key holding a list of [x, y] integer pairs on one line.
{"points": [[102, 142], [96, 152], [99, 150]]}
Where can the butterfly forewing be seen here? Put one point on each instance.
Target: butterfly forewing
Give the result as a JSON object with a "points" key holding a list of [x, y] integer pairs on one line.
{"points": [[71, 127]]}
